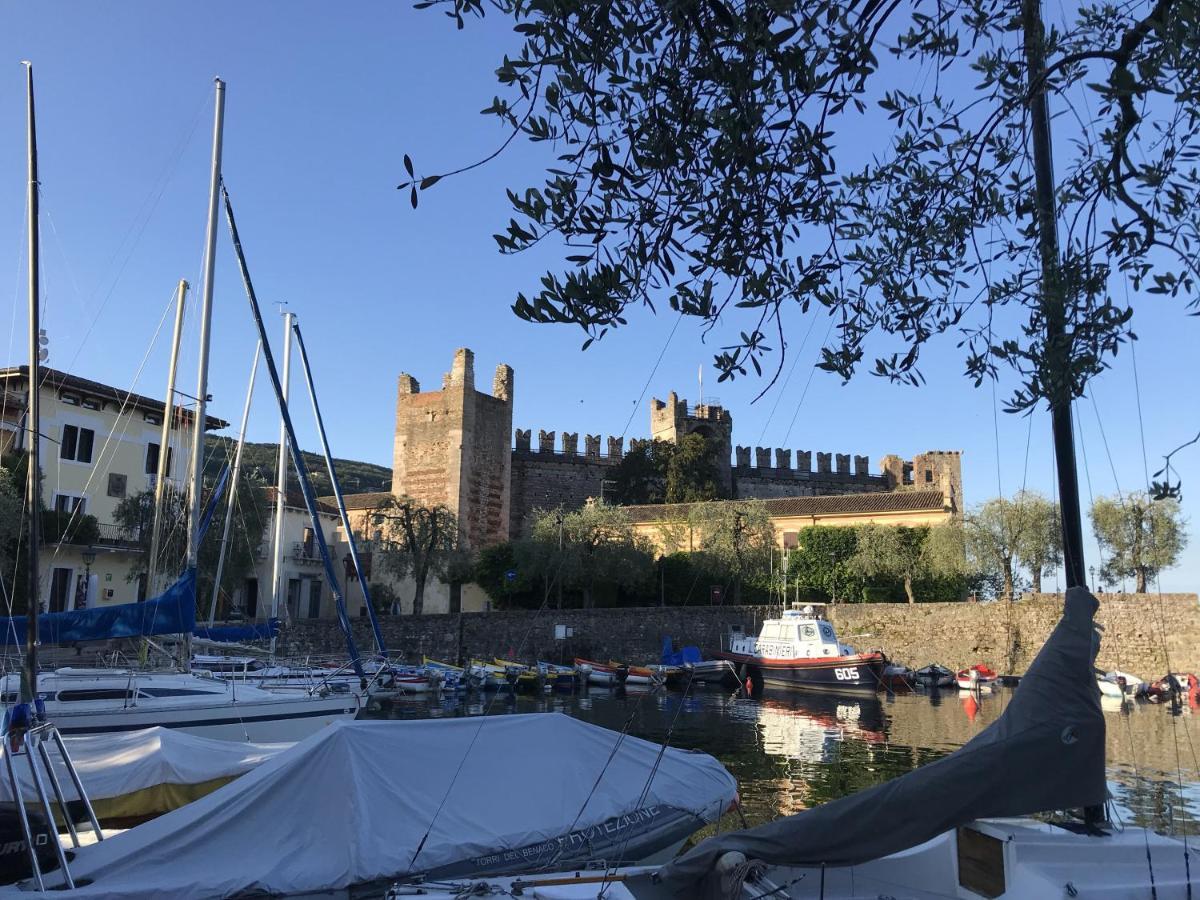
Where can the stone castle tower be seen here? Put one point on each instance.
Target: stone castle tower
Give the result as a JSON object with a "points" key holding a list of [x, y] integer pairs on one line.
{"points": [[455, 447], [452, 447], [670, 421]]}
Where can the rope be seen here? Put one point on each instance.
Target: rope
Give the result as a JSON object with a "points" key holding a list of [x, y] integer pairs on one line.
{"points": [[645, 387]]}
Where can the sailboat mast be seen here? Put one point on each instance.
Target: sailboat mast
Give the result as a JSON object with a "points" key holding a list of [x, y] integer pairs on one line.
{"points": [[1058, 344], [33, 415], [281, 470], [206, 294], [164, 444]]}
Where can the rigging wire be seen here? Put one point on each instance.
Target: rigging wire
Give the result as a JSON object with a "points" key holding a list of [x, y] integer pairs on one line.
{"points": [[645, 387], [804, 393], [812, 322]]}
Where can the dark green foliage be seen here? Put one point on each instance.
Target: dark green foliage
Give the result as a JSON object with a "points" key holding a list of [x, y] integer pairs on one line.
{"points": [[69, 528], [135, 516], [261, 459], [663, 472], [820, 567], [750, 163]]}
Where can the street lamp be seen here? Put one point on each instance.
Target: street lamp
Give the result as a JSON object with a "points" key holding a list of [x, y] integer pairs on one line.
{"points": [[1092, 572], [89, 557]]}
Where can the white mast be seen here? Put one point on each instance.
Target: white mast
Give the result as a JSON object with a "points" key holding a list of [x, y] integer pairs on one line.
{"points": [[232, 490], [281, 479], [206, 293], [164, 443]]}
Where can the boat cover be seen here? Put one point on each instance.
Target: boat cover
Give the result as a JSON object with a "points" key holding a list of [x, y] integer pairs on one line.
{"points": [[252, 631], [136, 774], [369, 800], [1045, 752], [172, 612]]}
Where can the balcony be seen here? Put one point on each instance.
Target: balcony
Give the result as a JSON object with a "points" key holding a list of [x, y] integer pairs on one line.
{"points": [[117, 537], [305, 554]]}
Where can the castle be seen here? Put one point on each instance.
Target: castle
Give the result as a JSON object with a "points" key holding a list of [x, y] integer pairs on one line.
{"points": [[455, 447]]}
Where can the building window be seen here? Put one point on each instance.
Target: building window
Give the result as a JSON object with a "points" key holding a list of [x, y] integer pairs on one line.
{"points": [[314, 598], [152, 459], [91, 403], [69, 399], [77, 443], [929, 476], [69, 504], [152, 418], [116, 484]]}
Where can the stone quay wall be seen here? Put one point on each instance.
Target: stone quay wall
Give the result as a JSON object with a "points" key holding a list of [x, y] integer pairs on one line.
{"points": [[1143, 634]]}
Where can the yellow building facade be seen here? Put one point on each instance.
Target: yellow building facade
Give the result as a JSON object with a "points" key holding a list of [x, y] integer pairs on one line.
{"points": [[100, 444]]}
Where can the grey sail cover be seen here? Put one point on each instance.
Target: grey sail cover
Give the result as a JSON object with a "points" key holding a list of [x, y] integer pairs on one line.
{"points": [[1045, 752]]}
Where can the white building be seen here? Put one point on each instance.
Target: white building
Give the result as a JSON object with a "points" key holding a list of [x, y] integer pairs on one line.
{"points": [[100, 444]]}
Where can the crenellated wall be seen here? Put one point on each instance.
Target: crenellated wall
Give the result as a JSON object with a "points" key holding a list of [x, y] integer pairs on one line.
{"points": [[778, 477], [546, 476]]}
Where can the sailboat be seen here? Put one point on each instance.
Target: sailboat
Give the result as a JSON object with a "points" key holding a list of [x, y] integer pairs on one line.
{"points": [[96, 701]]}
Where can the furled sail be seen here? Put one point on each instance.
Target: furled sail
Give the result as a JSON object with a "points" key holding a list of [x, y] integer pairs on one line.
{"points": [[172, 612], [1045, 752]]}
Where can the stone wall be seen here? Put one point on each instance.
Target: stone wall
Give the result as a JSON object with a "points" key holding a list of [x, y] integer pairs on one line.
{"points": [[1005, 636], [546, 479]]}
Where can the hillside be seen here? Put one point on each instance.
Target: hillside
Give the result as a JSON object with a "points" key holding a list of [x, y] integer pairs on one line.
{"points": [[356, 477]]}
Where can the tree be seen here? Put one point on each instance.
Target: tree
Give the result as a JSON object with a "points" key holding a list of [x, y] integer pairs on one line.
{"points": [[599, 547], [736, 539], [12, 524], [1141, 536], [663, 472], [135, 516], [909, 554], [640, 476], [819, 566], [692, 471], [991, 533], [1038, 538], [763, 160], [414, 541]]}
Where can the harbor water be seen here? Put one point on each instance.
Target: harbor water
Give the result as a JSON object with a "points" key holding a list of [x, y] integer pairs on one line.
{"points": [[791, 750]]}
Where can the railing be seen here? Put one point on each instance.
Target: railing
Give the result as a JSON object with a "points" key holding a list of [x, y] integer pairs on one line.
{"points": [[305, 553], [111, 535]]}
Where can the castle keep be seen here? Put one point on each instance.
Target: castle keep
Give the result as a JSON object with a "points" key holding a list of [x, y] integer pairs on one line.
{"points": [[454, 447]]}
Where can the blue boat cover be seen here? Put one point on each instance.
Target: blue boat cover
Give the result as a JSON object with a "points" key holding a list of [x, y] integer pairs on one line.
{"points": [[671, 657], [173, 612], [256, 631]]}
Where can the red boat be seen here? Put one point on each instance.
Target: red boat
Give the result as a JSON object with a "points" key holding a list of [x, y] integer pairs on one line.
{"points": [[976, 678]]}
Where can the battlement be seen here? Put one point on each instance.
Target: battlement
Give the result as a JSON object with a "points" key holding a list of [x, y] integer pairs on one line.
{"points": [[781, 465], [460, 377], [569, 446]]}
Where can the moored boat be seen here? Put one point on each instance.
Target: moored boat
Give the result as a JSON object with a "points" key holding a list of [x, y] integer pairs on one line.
{"points": [[603, 674], [976, 678], [934, 676], [713, 671], [801, 650], [1118, 684]]}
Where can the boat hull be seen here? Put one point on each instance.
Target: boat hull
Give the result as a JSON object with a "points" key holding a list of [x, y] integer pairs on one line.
{"points": [[290, 719], [859, 673]]}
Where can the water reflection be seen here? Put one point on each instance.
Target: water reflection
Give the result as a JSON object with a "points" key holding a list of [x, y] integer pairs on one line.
{"points": [[790, 751]]}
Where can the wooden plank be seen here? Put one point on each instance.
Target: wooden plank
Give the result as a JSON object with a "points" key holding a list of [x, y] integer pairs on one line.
{"points": [[980, 862]]}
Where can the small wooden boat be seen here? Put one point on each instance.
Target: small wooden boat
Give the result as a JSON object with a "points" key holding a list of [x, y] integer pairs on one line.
{"points": [[897, 678], [671, 676], [934, 676], [713, 671], [976, 678], [563, 677], [1118, 684], [638, 675], [603, 674], [522, 676]]}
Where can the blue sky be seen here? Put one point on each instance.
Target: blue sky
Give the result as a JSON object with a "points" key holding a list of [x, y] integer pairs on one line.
{"points": [[322, 101]]}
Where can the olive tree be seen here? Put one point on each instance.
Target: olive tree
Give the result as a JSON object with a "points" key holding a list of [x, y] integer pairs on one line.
{"points": [[746, 164], [735, 539], [414, 540], [1140, 536], [599, 547]]}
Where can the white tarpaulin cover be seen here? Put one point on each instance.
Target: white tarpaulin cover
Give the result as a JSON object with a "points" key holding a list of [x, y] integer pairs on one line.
{"points": [[161, 766], [353, 803]]}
